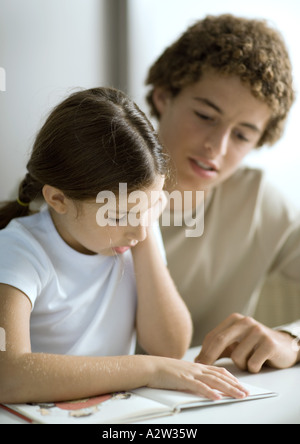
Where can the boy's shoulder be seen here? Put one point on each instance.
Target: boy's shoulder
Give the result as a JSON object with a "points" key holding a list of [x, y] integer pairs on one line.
{"points": [[245, 185], [251, 187], [245, 176]]}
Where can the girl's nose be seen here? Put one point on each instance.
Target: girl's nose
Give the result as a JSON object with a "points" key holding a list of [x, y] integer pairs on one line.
{"points": [[138, 233]]}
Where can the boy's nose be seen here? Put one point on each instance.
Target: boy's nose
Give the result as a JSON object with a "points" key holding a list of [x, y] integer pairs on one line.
{"points": [[218, 142]]}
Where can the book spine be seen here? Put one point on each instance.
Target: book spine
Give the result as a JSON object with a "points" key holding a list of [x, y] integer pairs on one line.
{"points": [[14, 412]]}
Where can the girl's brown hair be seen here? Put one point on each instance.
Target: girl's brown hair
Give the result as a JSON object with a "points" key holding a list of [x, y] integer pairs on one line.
{"points": [[92, 141], [230, 45]]}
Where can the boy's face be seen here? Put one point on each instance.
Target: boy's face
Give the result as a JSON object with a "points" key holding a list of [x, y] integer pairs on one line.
{"points": [[208, 129]]}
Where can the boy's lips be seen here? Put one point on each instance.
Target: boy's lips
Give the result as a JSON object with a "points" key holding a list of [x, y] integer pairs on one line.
{"points": [[204, 168]]}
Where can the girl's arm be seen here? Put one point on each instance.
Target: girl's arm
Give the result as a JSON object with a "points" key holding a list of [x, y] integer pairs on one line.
{"points": [[164, 325], [38, 377]]}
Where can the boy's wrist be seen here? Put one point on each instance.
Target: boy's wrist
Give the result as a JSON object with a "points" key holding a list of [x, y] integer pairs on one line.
{"points": [[295, 343], [298, 345]]}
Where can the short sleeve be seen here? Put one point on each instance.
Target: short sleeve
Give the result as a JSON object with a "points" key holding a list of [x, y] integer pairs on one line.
{"points": [[23, 262], [293, 329]]}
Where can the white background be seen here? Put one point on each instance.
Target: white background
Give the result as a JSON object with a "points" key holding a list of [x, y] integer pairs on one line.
{"points": [[47, 48]]}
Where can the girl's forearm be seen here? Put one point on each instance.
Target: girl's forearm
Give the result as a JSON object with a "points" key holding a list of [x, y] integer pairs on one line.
{"points": [[51, 378], [38, 377], [164, 324]]}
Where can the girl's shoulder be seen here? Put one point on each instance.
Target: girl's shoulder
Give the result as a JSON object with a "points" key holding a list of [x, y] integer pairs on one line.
{"points": [[25, 230], [25, 246], [24, 263]]}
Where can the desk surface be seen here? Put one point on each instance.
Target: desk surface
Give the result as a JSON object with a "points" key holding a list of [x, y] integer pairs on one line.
{"points": [[284, 409]]}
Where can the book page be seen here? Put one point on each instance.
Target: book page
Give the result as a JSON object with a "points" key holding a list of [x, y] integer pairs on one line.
{"points": [[120, 408], [116, 408], [179, 400]]}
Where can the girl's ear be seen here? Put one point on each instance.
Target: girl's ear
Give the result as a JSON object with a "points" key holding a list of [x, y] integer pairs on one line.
{"points": [[160, 99], [55, 199]]}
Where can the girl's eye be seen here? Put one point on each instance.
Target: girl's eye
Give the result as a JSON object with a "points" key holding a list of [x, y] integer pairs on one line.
{"points": [[117, 219], [203, 116]]}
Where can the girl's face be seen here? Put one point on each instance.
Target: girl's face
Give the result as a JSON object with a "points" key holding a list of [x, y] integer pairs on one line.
{"points": [[209, 127], [79, 225]]}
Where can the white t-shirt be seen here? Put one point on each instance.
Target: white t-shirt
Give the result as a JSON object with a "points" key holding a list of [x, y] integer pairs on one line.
{"points": [[81, 304]]}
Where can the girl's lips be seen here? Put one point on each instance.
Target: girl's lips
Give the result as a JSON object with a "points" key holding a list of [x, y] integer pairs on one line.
{"points": [[203, 169], [121, 250]]}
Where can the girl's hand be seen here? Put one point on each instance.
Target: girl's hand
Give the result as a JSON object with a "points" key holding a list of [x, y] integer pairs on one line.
{"points": [[201, 380], [157, 209]]}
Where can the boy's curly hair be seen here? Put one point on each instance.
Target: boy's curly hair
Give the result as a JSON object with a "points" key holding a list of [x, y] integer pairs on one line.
{"points": [[231, 46]]}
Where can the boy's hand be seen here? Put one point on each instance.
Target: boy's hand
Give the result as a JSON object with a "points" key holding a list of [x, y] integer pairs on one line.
{"points": [[249, 344]]}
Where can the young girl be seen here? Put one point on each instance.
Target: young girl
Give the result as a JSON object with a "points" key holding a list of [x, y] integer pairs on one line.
{"points": [[74, 291]]}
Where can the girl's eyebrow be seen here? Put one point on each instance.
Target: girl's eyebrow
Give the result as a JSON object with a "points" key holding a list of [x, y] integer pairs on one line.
{"points": [[218, 109]]}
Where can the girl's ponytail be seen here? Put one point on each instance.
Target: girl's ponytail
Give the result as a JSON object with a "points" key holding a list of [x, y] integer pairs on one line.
{"points": [[29, 190]]}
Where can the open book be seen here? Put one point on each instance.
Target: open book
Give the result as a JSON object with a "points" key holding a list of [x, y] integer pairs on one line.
{"points": [[123, 408]]}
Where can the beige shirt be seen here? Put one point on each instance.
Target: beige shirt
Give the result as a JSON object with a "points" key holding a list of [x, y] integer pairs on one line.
{"points": [[249, 232]]}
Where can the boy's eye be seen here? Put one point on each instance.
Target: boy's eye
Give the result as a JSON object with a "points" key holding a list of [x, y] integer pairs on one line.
{"points": [[203, 116], [241, 136]]}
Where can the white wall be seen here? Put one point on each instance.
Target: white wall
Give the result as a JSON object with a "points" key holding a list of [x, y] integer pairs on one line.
{"points": [[154, 24], [47, 48]]}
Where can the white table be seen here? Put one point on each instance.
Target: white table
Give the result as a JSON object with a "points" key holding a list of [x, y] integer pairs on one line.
{"points": [[284, 409]]}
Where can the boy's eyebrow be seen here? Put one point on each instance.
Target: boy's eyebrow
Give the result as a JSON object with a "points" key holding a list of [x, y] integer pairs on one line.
{"points": [[218, 109], [252, 127], [209, 103]]}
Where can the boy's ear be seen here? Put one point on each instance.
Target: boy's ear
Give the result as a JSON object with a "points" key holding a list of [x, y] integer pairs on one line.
{"points": [[55, 199], [160, 97]]}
